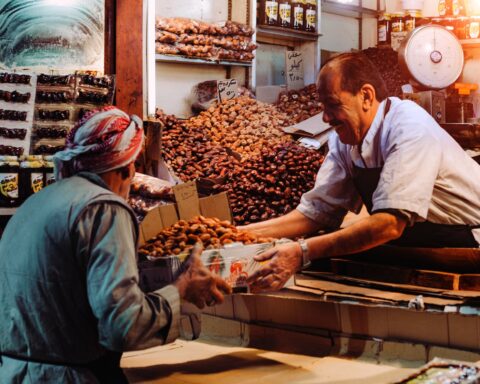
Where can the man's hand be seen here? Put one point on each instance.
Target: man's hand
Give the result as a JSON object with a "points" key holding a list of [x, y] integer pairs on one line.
{"points": [[198, 285], [285, 260]]}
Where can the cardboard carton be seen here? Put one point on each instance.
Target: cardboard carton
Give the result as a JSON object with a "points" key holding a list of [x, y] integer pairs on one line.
{"points": [[188, 205]]}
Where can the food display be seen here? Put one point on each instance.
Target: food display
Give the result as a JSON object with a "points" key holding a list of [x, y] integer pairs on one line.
{"points": [[385, 60], [301, 104], [243, 125], [182, 236], [16, 112], [271, 185], [191, 152], [147, 192], [180, 36], [60, 101]]}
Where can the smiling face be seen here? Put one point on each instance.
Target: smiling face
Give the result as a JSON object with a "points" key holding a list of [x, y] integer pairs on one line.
{"points": [[350, 114]]}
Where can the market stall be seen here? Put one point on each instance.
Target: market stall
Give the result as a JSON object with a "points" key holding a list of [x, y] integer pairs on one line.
{"points": [[234, 137]]}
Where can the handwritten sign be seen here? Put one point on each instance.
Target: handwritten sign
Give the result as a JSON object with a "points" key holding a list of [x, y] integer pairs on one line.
{"points": [[227, 89], [294, 70]]}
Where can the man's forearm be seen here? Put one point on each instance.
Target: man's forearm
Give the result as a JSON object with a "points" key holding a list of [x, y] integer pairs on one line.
{"points": [[291, 225], [370, 232]]}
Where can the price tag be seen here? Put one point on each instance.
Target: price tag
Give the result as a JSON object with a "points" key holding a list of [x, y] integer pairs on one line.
{"points": [[294, 70], [227, 89]]}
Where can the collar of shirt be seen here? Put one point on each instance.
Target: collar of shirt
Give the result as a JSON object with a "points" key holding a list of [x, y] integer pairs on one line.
{"points": [[367, 144], [93, 178]]}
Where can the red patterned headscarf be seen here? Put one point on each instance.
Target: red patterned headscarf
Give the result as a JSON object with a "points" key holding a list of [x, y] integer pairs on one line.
{"points": [[101, 141]]}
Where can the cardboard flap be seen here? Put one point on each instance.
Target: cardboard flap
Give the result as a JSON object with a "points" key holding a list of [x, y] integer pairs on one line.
{"points": [[216, 206], [310, 127], [168, 215], [188, 203], [151, 225]]}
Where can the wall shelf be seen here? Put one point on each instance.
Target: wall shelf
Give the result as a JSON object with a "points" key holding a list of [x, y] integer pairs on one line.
{"points": [[470, 43], [285, 34], [196, 60]]}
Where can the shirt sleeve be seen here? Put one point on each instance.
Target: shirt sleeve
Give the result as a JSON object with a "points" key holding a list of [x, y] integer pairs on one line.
{"points": [[412, 162], [334, 193], [127, 317]]}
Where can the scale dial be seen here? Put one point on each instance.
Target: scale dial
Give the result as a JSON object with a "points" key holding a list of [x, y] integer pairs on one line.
{"points": [[432, 56]]}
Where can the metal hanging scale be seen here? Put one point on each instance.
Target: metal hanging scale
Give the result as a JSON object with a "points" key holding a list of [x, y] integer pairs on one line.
{"points": [[432, 56]]}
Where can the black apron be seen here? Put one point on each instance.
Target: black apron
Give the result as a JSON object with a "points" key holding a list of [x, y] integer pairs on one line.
{"points": [[421, 234]]}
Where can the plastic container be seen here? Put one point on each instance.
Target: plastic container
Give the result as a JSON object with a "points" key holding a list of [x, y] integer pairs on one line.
{"points": [[311, 16], [9, 183], [271, 12], [298, 10], [49, 175], [384, 29], [32, 177], [398, 22], [411, 18], [285, 13]]}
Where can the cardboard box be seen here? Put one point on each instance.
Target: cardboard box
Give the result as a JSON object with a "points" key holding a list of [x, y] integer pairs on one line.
{"points": [[188, 205]]}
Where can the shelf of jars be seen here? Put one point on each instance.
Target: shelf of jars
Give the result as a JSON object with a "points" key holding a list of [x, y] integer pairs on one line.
{"points": [[280, 32], [194, 60]]}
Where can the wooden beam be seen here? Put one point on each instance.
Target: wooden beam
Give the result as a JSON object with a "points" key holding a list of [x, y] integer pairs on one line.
{"points": [[398, 275], [129, 56], [110, 16]]}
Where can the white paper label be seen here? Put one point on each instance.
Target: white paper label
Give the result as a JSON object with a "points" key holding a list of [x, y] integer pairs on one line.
{"points": [[9, 185], [227, 89]]}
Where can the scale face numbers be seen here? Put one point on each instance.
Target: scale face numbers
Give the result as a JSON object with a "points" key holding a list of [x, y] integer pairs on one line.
{"points": [[434, 57]]}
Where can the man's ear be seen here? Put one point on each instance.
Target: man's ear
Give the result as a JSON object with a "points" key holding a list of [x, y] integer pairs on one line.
{"points": [[368, 95]]}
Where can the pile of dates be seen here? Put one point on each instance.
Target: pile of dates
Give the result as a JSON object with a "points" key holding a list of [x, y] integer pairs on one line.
{"points": [[190, 151], [183, 235], [272, 184], [386, 61], [301, 104], [242, 124]]}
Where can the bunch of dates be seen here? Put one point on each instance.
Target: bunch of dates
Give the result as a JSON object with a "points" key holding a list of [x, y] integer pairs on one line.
{"points": [[183, 235]]}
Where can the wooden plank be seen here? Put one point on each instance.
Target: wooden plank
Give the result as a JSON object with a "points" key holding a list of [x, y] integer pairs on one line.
{"points": [[397, 275], [458, 260], [129, 57]]}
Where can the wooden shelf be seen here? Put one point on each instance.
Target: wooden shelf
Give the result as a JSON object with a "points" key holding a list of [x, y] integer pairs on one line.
{"points": [[285, 33], [472, 43], [194, 60]]}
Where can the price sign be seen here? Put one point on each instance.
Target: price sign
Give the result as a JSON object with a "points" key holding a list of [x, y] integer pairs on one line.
{"points": [[294, 69], [227, 89]]}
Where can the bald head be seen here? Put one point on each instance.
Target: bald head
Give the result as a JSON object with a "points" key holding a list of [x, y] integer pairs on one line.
{"points": [[352, 71]]}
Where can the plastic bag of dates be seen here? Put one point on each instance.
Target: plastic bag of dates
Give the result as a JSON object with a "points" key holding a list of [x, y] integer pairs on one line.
{"points": [[151, 187]]}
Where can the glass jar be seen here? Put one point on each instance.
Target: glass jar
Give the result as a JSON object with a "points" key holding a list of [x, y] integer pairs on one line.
{"points": [[398, 22], [445, 7], [297, 15], [9, 186], [473, 29], [383, 29], [285, 13], [411, 19], [31, 176], [271, 12], [311, 16]]}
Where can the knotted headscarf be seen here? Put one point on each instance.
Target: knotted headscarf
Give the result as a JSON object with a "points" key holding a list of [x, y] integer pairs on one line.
{"points": [[101, 141]]}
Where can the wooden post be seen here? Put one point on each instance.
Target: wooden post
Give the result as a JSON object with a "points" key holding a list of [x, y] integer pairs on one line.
{"points": [[129, 56]]}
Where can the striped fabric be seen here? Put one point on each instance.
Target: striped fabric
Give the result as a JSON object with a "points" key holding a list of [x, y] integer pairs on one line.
{"points": [[101, 141]]}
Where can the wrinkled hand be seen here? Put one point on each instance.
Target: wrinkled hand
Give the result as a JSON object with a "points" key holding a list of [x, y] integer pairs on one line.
{"points": [[285, 260], [198, 285]]}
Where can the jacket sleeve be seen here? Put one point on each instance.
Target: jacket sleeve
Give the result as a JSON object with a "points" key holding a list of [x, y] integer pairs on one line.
{"points": [[127, 318]]}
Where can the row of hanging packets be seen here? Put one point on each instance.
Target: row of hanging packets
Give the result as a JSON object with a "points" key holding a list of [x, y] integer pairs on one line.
{"points": [[17, 99]]}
